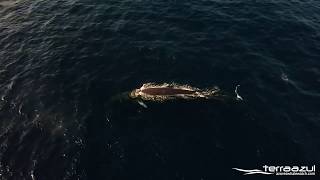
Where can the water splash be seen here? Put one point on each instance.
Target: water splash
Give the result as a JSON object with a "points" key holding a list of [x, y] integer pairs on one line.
{"points": [[238, 97], [143, 104], [284, 77]]}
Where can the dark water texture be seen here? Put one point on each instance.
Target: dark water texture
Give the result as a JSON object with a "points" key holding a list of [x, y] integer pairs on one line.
{"points": [[62, 60]]}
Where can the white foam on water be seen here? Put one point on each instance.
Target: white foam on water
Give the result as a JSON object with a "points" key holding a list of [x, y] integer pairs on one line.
{"points": [[284, 77], [238, 97], [142, 104]]}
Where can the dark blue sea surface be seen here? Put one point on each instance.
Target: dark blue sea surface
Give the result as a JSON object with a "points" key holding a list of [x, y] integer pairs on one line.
{"points": [[62, 61]]}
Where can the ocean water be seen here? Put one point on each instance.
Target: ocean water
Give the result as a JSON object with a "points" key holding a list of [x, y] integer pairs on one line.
{"points": [[62, 61]]}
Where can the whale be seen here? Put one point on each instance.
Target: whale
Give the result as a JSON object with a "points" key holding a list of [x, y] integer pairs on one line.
{"points": [[163, 92], [169, 91], [166, 91]]}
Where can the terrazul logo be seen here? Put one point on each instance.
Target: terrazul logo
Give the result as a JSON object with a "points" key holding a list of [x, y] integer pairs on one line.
{"points": [[281, 170]]}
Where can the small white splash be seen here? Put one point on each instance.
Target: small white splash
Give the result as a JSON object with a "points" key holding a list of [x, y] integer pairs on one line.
{"points": [[108, 121], [142, 104], [32, 171], [107, 118], [284, 77], [20, 109], [32, 176], [237, 94]]}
